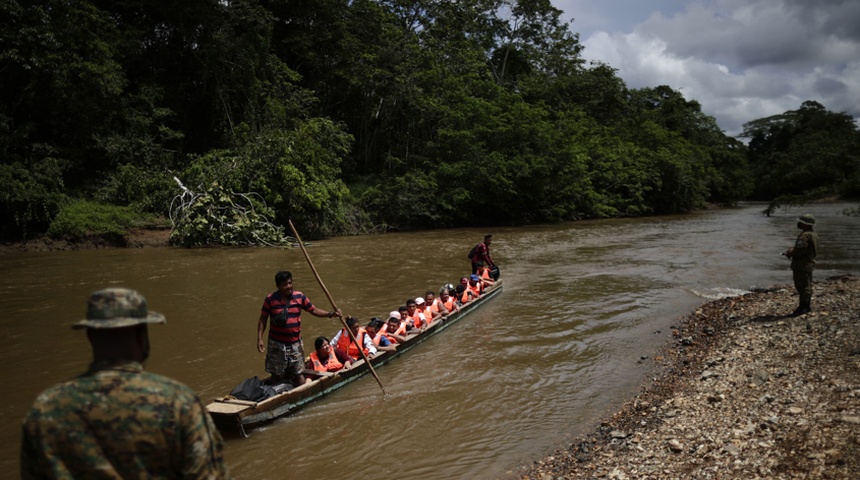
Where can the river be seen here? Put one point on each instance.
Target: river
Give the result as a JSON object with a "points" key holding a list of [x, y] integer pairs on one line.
{"points": [[585, 306]]}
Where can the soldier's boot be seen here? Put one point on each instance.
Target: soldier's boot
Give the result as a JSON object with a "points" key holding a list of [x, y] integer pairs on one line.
{"points": [[802, 309]]}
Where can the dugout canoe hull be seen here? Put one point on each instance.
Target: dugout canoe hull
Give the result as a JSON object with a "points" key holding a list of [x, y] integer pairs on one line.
{"points": [[232, 415]]}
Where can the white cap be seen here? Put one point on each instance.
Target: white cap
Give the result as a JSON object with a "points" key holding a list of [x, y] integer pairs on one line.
{"points": [[419, 300]]}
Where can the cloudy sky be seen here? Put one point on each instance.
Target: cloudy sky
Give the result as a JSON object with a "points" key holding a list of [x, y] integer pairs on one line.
{"points": [[740, 59]]}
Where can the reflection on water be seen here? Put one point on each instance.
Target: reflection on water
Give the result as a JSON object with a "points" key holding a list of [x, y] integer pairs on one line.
{"points": [[560, 347]]}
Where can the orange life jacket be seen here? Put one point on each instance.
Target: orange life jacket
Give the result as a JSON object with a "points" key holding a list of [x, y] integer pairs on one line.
{"points": [[378, 337], [416, 319], [428, 313], [401, 329], [434, 307], [331, 365], [484, 272], [465, 297], [476, 290], [346, 344], [450, 303]]}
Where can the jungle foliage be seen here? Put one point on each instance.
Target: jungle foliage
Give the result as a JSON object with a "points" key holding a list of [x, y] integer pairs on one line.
{"points": [[805, 154], [83, 220], [344, 115], [220, 217]]}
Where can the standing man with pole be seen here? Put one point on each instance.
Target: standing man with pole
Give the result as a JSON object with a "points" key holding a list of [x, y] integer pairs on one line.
{"points": [[284, 354], [802, 257], [116, 420]]}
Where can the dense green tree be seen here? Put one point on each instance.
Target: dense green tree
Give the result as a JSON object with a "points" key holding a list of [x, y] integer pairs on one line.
{"points": [[31, 197], [806, 153], [294, 172], [61, 81], [697, 161], [341, 114]]}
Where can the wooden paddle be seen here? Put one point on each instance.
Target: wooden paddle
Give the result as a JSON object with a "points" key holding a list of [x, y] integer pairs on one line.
{"points": [[334, 307]]}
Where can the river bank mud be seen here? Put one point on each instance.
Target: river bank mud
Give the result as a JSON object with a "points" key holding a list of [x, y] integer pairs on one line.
{"points": [[743, 391], [135, 238]]}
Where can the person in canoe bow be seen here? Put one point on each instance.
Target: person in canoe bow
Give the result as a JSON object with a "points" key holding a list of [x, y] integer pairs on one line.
{"points": [[482, 254], [284, 354]]}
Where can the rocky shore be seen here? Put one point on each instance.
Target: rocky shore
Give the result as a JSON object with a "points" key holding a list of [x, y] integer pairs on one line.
{"points": [[742, 392]]}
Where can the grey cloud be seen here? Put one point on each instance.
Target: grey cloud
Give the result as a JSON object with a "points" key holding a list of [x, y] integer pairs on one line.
{"points": [[829, 86], [741, 59], [747, 35], [839, 18]]}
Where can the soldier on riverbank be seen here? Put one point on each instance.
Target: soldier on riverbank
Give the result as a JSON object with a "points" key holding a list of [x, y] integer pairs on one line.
{"points": [[117, 421], [802, 257]]}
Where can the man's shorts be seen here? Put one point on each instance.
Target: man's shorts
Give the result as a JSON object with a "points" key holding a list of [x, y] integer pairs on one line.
{"points": [[284, 360]]}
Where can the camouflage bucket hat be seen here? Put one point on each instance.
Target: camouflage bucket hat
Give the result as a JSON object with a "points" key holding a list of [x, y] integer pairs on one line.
{"points": [[806, 219], [116, 308]]}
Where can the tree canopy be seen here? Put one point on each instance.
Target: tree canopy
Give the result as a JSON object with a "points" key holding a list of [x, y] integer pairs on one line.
{"points": [[344, 115], [804, 154]]}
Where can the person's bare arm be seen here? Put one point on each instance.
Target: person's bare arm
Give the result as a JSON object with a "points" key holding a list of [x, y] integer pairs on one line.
{"points": [[261, 329]]}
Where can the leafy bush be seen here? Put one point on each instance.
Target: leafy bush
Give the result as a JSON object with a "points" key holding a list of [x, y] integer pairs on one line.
{"points": [[221, 217], [30, 197], [294, 172], [144, 189], [86, 220]]}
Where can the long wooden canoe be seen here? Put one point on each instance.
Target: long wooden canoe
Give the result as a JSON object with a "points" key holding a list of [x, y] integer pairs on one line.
{"points": [[233, 415]]}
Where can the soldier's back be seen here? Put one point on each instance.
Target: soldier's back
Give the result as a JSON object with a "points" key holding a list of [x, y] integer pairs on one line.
{"points": [[116, 421]]}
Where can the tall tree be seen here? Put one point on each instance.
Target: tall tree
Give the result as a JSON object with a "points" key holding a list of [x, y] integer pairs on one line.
{"points": [[809, 152]]}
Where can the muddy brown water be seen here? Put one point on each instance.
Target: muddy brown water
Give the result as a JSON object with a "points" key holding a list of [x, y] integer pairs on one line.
{"points": [[562, 346]]}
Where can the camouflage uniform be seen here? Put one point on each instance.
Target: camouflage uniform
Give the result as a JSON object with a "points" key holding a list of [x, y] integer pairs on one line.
{"points": [[117, 421], [803, 263]]}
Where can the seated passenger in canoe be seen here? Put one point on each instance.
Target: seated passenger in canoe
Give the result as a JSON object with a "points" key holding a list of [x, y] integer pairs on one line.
{"points": [[376, 331], [344, 342], [324, 358], [484, 274], [448, 300], [434, 306], [404, 315], [424, 308], [463, 294], [419, 321], [395, 328], [476, 286]]}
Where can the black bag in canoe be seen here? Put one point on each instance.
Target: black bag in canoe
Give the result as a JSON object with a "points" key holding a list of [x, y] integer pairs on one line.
{"points": [[253, 389]]}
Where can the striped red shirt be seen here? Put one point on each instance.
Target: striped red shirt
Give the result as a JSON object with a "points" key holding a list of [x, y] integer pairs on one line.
{"points": [[285, 317]]}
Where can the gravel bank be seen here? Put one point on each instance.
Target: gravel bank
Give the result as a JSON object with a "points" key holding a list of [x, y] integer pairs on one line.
{"points": [[743, 391]]}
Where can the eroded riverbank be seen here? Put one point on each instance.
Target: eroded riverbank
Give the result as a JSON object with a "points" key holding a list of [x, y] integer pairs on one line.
{"points": [[136, 238], [743, 392]]}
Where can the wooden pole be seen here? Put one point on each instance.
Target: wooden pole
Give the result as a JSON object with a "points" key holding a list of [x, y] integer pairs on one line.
{"points": [[334, 307]]}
